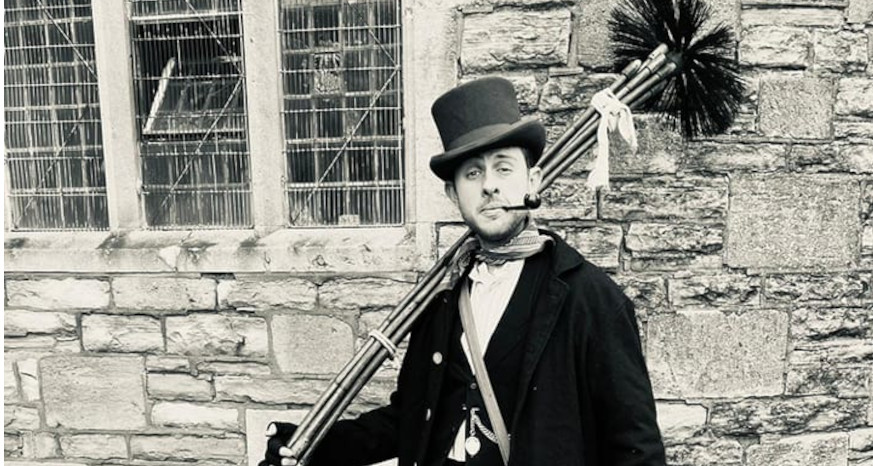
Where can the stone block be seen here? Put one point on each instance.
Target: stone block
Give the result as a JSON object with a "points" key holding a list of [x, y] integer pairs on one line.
{"points": [[42, 445], [787, 416], [775, 47], [28, 373], [572, 90], [94, 446], [194, 416], [815, 158], [860, 131], [251, 293], [828, 336], [217, 335], [712, 354], [673, 246], [362, 293], [591, 34], [802, 17], [19, 323], [179, 387], [44, 343], [156, 363], [311, 344], [796, 108], [855, 97], [731, 158], [841, 381], [659, 148], [568, 198], [861, 440], [268, 390], [649, 294], [830, 289], [257, 421], [50, 294], [856, 158], [41, 463], [94, 392], [787, 221], [840, 51], [818, 449], [447, 235], [704, 290], [599, 244], [666, 198], [163, 293], [122, 334], [706, 452], [226, 449], [20, 418], [860, 11], [10, 384], [13, 446], [506, 39], [234, 368], [680, 421]]}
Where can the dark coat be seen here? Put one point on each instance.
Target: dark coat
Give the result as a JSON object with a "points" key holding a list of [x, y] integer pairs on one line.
{"points": [[583, 396]]}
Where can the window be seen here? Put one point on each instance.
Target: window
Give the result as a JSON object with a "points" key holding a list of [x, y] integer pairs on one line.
{"points": [[54, 153], [190, 95], [340, 70]]}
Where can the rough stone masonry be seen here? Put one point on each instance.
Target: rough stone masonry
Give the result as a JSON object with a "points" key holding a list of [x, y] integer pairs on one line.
{"points": [[749, 255]]}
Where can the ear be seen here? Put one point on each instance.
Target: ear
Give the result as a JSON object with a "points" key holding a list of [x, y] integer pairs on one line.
{"points": [[451, 192], [534, 179]]}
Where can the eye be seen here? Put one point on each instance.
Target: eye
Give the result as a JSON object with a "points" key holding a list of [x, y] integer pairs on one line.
{"points": [[472, 173], [504, 169]]}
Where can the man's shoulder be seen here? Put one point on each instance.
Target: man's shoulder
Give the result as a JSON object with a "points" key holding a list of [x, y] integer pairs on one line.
{"points": [[583, 278]]}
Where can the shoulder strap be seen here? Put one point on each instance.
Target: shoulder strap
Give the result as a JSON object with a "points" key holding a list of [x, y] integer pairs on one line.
{"points": [[482, 374]]}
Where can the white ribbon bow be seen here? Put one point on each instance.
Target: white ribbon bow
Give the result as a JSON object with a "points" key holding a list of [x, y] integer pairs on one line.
{"points": [[613, 115]]}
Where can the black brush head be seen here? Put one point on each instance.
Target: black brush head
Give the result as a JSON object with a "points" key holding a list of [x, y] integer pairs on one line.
{"points": [[704, 95]]}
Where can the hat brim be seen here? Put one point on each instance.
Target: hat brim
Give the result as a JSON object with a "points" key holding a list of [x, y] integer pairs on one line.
{"points": [[530, 134]]}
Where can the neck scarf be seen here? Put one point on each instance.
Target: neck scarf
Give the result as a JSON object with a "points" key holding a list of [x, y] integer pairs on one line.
{"points": [[521, 246]]}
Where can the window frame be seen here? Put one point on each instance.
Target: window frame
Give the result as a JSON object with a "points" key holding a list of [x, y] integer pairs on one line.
{"points": [[130, 246]]}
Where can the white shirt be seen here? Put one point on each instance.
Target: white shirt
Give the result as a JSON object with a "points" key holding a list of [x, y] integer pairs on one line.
{"points": [[492, 288]]}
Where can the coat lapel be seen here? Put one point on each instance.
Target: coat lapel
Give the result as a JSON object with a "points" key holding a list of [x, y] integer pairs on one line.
{"points": [[511, 330], [542, 324]]}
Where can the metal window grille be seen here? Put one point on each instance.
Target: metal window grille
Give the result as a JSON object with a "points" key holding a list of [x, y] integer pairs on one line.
{"points": [[190, 94], [341, 64], [54, 153]]}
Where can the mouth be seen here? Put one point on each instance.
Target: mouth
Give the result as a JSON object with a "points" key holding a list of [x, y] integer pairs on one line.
{"points": [[492, 208]]}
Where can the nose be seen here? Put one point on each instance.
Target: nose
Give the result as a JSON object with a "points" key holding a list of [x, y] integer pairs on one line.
{"points": [[489, 184]]}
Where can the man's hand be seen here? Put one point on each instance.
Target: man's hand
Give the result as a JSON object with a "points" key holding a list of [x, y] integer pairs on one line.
{"points": [[278, 454]]}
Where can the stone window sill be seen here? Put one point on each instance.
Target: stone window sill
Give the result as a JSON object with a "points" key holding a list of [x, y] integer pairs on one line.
{"points": [[225, 251]]}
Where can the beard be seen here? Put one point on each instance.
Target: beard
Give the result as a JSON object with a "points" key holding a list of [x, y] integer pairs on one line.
{"points": [[501, 233]]}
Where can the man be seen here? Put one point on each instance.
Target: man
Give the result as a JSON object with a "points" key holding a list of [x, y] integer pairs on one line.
{"points": [[559, 338]]}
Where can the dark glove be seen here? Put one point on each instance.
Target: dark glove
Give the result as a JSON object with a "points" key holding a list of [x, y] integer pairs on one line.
{"points": [[279, 439]]}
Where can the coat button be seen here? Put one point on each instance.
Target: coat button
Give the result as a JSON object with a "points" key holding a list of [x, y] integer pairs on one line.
{"points": [[473, 386], [427, 415], [437, 358]]}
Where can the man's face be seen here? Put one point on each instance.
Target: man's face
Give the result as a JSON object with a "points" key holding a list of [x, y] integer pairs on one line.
{"points": [[487, 182]]}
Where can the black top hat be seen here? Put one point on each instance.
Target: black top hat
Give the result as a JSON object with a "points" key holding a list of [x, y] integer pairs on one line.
{"points": [[478, 116]]}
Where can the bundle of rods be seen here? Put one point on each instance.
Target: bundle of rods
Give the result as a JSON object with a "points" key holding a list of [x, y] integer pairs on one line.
{"points": [[637, 83]]}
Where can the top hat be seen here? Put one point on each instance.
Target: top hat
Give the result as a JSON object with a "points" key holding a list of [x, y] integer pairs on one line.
{"points": [[478, 116]]}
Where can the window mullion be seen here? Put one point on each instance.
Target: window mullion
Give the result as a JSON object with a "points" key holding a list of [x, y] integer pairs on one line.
{"points": [[115, 88], [265, 102]]}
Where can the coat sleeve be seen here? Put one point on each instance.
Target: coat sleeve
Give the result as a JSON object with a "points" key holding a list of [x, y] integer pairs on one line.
{"points": [[373, 436], [370, 438], [624, 406]]}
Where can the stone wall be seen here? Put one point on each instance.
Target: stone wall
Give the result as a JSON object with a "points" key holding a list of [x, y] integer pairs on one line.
{"points": [[749, 255]]}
